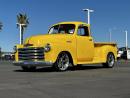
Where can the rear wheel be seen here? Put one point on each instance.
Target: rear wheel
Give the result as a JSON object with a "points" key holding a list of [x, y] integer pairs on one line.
{"points": [[63, 62], [110, 61]]}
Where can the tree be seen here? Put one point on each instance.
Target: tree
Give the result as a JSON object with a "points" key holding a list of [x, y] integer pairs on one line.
{"points": [[1, 25], [22, 23]]}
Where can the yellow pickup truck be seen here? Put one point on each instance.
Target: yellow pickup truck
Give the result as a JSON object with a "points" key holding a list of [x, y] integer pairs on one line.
{"points": [[66, 44]]}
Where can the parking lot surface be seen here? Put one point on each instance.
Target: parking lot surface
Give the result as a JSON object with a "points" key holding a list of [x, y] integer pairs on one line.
{"points": [[84, 82]]}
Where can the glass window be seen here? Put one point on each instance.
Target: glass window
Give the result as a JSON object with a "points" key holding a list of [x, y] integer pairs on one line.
{"points": [[62, 29], [83, 31]]}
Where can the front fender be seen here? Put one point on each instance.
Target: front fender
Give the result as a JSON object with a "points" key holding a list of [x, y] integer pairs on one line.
{"points": [[56, 49]]}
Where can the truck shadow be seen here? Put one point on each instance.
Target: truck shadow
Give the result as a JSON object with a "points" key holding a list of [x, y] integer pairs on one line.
{"points": [[50, 69]]}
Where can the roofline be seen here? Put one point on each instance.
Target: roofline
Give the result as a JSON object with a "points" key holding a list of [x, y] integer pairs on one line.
{"points": [[72, 22]]}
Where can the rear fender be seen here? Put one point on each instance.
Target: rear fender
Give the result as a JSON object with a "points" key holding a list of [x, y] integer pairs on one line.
{"points": [[109, 49]]}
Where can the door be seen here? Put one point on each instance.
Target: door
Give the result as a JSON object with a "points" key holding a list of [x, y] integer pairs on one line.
{"points": [[85, 45]]}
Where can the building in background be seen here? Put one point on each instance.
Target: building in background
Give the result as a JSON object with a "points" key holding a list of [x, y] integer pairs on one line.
{"points": [[7, 56], [128, 54], [123, 53]]}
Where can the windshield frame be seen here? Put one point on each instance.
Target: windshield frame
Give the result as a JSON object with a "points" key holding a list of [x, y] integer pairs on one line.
{"points": [[59, 25]]}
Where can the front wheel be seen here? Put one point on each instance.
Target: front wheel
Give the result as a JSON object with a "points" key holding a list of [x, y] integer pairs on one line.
{"points": [[110, 61], [63, 62]]}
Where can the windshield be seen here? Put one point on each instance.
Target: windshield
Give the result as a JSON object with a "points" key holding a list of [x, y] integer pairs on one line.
{"points": [[62, 29]]}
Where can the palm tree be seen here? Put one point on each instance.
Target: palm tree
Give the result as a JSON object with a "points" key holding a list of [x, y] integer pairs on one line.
{"points": [[22, 23], [1, 25]]}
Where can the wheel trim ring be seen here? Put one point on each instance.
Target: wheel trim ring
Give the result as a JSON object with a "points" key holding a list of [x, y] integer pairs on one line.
{"points": [[62, 66]]}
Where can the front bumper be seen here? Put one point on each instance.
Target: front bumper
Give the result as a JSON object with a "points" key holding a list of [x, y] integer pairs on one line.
{"points": [[33, 63]]}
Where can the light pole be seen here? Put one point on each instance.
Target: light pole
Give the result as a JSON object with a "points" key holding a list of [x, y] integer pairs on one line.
{"points": [[126, 37], [89, 11], [20, 32], [110, 34]]}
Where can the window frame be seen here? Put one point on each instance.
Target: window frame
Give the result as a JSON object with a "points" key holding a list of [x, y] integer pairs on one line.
{"points": [[59, 29], [86, 30]]}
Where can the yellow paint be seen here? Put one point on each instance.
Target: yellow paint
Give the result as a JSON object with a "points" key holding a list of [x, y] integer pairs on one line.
{"points": [[82, 50], [16, 54]]}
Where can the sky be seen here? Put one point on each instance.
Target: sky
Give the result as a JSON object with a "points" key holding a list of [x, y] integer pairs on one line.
{"points": [[108, 15]]}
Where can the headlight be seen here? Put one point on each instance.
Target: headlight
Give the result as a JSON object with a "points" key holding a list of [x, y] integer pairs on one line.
{"points": [[47, 48], [15, 49]]}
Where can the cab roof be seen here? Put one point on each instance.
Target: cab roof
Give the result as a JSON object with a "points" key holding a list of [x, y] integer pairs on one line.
{"points": [[72, 22]]}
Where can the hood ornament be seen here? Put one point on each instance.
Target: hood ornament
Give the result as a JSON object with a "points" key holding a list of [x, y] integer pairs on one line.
{"points": [[28, 45]]}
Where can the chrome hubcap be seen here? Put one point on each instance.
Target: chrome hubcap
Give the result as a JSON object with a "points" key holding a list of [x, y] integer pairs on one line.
{"points": [[63, 61]]}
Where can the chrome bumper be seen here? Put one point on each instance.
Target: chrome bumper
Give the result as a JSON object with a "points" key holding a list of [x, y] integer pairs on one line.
{"points": [[33, 63]]}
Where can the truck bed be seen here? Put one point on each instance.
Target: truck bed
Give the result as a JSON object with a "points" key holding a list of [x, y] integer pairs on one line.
{"points": [[104, 43], [100, 48]]}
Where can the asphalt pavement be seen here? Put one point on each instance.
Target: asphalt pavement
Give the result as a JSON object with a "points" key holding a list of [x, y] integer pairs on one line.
{"points": [[83, 82]]}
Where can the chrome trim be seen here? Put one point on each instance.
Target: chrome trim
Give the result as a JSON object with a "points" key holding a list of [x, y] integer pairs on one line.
{"points": [[31, 53], [33, 63]]}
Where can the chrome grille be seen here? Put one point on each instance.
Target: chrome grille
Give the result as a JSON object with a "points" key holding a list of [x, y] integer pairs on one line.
{"points": [[31, 54]]}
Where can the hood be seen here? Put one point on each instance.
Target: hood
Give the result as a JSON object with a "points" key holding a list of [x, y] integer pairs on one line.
{"points": [[42, 40]]}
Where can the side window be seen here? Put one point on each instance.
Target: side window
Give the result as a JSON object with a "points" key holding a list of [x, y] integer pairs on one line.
{"points": [[83, 31]]}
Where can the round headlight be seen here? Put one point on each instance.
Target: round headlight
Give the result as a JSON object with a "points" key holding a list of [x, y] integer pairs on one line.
{"points": [[47, 48]]}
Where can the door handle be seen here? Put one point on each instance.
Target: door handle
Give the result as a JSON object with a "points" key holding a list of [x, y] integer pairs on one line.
{"points": [[68, 41]]}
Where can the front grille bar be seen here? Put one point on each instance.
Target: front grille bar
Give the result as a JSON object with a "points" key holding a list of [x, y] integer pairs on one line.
{"points": [[30, 54]]}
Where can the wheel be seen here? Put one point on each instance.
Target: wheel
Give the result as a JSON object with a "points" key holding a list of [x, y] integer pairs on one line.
{"points": [[110, 61], [25, 68], [63, 62]]}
